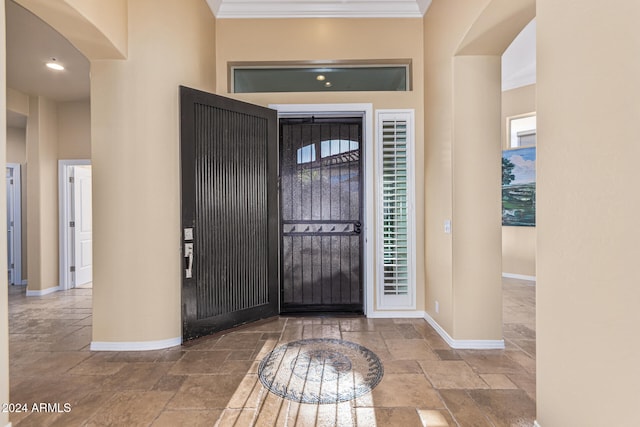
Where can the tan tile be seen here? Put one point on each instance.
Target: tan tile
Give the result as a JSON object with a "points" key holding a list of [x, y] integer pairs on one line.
{"points": [[403, 330], [434, 418], [321, 331], [326, 416], [236, 417], [200, 362], [525, 361], [498, 381], [397, 390], [401, 367], [249, 393], [130, 408], [239, 341], [464, 409], [525, 382], [57, 363], [447, 354], [506, 408], [345, 413], [305, 415], [432, 338], [187, 418], [387, 417], [371, 340], [490, 361], [95, 366], [271, 410], [82, 409], [292, 333], [76, 340], [402, 349], [136, 376], [452, 374], [205, 392]]}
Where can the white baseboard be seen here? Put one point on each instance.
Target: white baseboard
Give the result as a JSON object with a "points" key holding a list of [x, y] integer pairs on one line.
{"points": [[464, 344], [135, 346], [409, 314], [42, 292], [519, 276], [536, 424]]}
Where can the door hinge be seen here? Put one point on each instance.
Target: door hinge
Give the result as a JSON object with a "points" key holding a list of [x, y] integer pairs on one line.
{"points": [[71, 180], [72, 268], [72, 223], [11, 181], [13, 266]]}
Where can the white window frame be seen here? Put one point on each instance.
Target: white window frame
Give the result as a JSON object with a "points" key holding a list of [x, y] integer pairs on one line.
{"points": [[408, 301]]}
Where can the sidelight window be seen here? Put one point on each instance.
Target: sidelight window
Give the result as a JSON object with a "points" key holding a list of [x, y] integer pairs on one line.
{"points": [[396, 275]]}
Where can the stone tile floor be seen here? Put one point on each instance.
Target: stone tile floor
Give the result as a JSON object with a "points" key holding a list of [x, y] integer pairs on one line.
{"points": [[214, 380]]}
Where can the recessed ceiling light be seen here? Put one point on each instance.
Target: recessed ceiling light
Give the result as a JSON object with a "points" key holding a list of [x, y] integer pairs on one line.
{"points": [[328, 84], [320, 78], [54, 65]]}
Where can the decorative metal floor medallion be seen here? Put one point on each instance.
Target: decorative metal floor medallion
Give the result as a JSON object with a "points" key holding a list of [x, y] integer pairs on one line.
{"points": [[320, 371]]}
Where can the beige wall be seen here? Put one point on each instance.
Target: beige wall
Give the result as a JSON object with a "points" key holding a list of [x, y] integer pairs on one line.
{"points": [[17, 153], [588, 295], [16, 145], [135, 164], [463, 43], [4, 309], [97, 28], [42, 194], [334, 39], [17, 102], [74, 130], [518, 243]]}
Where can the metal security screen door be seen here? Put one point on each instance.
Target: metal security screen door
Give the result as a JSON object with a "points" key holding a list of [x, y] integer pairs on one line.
{"points": [[229, 212], [321, 214]]}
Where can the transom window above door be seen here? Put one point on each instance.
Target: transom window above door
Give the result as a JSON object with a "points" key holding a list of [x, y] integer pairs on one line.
{"points": [[331, 76]]}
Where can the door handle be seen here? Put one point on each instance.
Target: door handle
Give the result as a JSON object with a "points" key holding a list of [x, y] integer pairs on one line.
{"points": [[357, 227], [188, 253]]}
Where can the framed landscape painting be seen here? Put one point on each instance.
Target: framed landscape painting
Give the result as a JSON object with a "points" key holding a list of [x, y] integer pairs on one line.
{"points": [[519, 187]]}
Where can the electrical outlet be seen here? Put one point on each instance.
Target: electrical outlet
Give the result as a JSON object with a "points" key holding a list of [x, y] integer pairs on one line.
{"points": [[447, 226], [437, 307]]}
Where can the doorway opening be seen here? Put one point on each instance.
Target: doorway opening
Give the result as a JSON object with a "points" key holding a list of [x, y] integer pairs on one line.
{"points": [[75, 203], [14, 224], [326, 208], [321, 215]]}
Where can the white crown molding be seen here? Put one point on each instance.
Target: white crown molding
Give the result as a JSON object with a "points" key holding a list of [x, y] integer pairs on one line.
{"points": [[319, 8], [135, 346]]}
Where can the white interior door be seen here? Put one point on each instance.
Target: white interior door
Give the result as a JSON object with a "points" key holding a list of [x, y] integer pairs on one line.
{"points": [[10, 231], [83, 247], [14, 234]]}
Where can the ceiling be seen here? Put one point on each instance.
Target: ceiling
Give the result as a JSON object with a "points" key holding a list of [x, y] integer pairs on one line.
{"points": [[30, 44]]}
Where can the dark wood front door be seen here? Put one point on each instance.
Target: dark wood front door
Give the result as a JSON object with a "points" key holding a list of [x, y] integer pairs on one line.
{"points": [[321, 214], [229, 212]]}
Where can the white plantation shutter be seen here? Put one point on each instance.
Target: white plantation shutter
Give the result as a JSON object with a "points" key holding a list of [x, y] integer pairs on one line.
{"points": [[395, 210]]}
